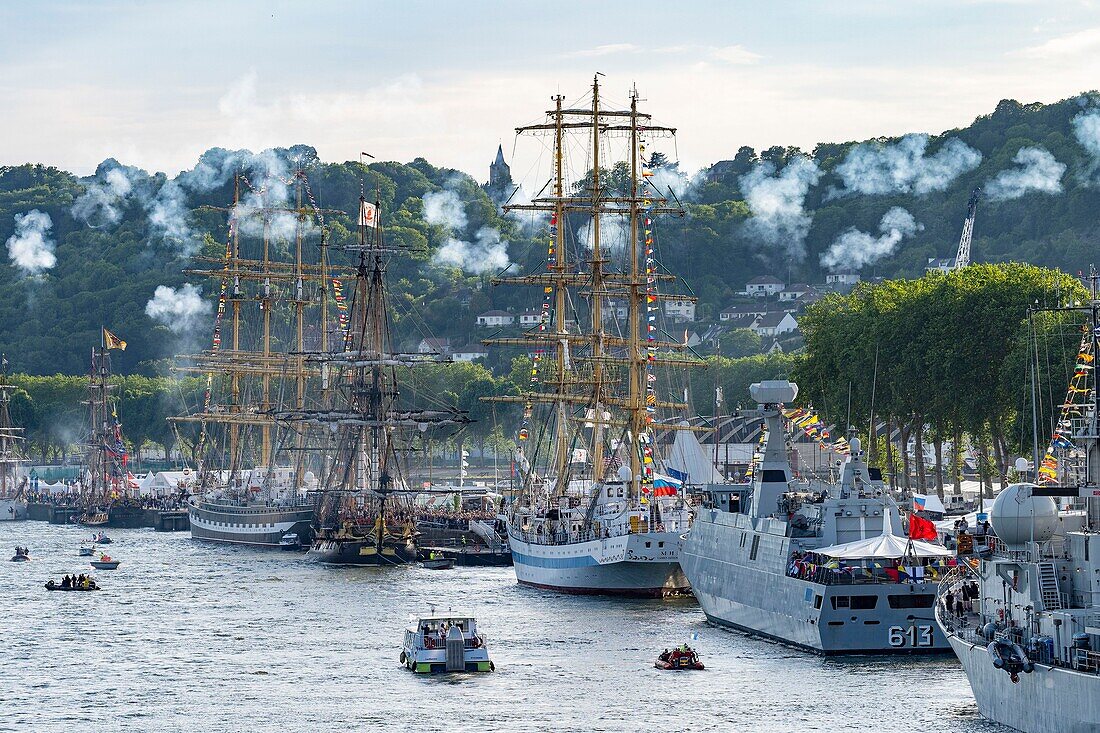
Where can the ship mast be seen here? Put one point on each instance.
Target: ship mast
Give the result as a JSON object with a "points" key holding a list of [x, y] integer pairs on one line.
{"points": [[596, 389], [267, 367], [10, 436], [363, 409]]}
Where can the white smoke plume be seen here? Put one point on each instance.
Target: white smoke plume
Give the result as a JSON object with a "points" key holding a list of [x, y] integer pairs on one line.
{"points": [[107, 192], [1086, 128], [776, 200], [670, 177], [855, 249], [1038, 171], [487, 253], [903, 167], [614, 234], [30, 248], [444, 208], [180, 310]]}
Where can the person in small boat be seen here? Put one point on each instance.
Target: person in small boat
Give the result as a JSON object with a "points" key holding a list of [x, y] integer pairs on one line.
{"points": [[66, 582], [664, 655]]}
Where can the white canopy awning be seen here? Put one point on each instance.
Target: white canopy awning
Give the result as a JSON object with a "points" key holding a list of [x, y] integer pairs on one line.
{"points": [[929, 502], [884, 547]]}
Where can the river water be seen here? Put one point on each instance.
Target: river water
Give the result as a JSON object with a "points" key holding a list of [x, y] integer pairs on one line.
{"points": [[194, 637]]}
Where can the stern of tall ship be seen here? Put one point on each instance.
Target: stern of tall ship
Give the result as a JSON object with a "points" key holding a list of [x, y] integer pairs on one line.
{"points": [[644, 565], [361, 552], [12, 510]]}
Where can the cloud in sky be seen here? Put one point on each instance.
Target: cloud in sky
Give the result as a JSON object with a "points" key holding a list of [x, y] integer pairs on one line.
{"points": [[725, 76]]}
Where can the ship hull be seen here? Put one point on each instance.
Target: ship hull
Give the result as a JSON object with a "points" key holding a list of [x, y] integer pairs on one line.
{"points": [[756, 596], [125, 517], [258, 526], [356, 552], [621, 565], [1049, 700], [12, 510]]}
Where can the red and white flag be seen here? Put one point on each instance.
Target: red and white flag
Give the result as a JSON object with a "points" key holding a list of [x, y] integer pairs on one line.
{"points": [[368, 214]]}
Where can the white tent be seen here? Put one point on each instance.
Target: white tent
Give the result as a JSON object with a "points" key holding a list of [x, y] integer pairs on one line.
{"points": [[884, 547], [686, 457], [930, 502]]}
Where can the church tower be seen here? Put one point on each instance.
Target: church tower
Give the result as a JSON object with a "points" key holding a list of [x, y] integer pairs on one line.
{"points": [[500, 176]]}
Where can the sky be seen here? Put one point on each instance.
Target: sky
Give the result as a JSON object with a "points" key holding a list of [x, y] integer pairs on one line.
{"points": [[153, 84]]}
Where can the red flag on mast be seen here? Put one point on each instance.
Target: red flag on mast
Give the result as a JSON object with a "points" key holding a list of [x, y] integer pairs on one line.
{"points": [[921, 529]]}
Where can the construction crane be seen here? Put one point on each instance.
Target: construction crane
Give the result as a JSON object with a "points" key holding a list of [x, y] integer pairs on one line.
{"points": [[962, 259]]}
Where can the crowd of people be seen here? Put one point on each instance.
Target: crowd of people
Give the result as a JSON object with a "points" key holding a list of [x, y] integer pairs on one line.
{"points": [[959, 600], [81, 582], [827, 570]]}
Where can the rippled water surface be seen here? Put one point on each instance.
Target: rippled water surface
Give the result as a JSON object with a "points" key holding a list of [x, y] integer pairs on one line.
{"points": [[194, 637]]}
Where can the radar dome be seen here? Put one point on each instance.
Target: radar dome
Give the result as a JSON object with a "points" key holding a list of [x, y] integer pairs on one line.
{"points": [[1018, 517], [773, 391]]}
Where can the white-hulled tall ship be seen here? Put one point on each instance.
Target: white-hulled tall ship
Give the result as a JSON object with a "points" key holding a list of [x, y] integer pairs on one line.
{"points": [[594, 514], [1031, 645], [279, 297], [365, 511], [13, 480]]}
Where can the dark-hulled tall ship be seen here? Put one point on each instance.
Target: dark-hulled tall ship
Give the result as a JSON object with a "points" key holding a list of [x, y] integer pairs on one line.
{"points": [[364, 514]]}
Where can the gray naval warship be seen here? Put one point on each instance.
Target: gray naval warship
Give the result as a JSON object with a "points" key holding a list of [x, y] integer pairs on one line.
{"points": [[816, 565], [1031, 646]]}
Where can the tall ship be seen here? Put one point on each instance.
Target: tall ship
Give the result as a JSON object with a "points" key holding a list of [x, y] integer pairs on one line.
{"points": [[13, 479], [365, 512], [594, 513], [106, 494], [1030, 641], [278, 298], [821, 565]]}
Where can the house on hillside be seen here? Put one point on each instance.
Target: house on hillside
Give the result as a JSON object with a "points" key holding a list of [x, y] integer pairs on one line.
{"points": [[776, 323], [680, 311], [530, 318], [942, 265], [763, 286], [742, 312], [496, 318], [796, 292], [842, 279], [615, 310], [470, 352], [434, 346]]}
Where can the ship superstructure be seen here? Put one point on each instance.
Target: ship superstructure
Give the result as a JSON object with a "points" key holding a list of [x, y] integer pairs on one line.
{"points": [[595, 515], [278, 298], [364, 514], [1029, 639], [13, 479], [818, 565]]}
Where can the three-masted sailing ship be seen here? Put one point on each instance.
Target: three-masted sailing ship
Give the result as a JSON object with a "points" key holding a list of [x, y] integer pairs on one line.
{"points": [[105, 493], [13, 481], [255, 482], [365, 512], [595, 515]]}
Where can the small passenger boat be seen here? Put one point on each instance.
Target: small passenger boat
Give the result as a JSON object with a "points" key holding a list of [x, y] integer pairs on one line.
{"points": [[445, 643], [87, 550], [678, 660], [290, 541], [101, 539], [22, 554], [105, 563], [51, 584], [436, 561]]}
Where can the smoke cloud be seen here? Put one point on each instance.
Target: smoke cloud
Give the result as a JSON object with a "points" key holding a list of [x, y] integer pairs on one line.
{"points": [[855, 249], [776, 200], [180, 310], [444, 208], [1086, 128], [107, 192], [30, 248], [903, 167], [614, 233], [487, 253], [1038, 171]]}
